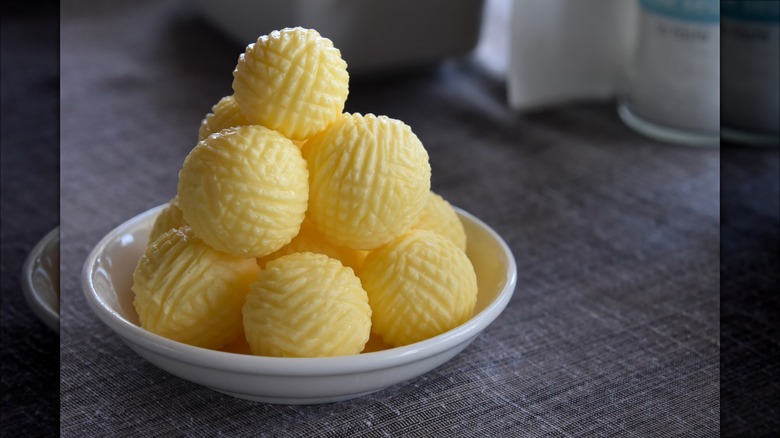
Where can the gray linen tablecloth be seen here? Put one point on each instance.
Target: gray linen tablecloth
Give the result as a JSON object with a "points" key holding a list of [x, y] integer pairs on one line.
{"points": [[613, 329]]}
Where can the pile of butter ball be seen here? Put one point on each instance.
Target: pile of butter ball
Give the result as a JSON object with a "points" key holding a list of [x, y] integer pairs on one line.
{"points": [[299, 230]]}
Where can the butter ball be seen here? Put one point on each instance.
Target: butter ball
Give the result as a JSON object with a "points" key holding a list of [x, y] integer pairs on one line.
{"points": [[439, 216], [189, 292], [310, 240], [224, 114], [369, 178], [419, 286], [293, 81], [169, 218], [306, 305], [244, 190]]}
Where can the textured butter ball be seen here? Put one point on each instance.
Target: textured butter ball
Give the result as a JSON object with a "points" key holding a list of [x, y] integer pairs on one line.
{"points": [[189, 292], [439, 216], [419, 286], [244, 190], [169, 218], [293, 81], [306, 305], [310, 240], [369, 178], [225, 114]]}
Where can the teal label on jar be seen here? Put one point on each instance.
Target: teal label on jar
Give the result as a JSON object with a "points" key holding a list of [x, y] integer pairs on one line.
{"points": [[754, 11], [701, 11]]}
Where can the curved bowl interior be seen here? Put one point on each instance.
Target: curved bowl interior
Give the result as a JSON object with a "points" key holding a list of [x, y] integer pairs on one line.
{"points": [[107, 281], [41, 279]]}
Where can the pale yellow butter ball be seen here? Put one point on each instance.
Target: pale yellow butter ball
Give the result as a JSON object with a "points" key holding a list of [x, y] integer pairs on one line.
{"points": [[293, 81], [244, 190], [369, 178], [306, 305], [225, 114], [189, 292], [419, 286], [169, 218], [439, 216]]}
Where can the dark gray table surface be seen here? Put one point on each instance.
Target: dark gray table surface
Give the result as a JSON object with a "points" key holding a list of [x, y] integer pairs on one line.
{"points": [[614, 327], [29, 168]]}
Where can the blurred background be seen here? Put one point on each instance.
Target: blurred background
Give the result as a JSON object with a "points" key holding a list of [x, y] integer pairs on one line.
{"points": [[660, 60]]}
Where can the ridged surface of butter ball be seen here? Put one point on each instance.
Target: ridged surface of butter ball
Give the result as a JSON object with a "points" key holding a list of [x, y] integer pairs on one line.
{"points": [[439, 216], [369, 180], [419, 286], [244, 190], [224, 114], [189, 292], [293, 81], [306, 305], [169, 218]]}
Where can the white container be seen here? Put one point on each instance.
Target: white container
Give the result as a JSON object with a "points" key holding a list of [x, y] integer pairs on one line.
{"points": [[563, 51], [373, 35], [673, 89]]}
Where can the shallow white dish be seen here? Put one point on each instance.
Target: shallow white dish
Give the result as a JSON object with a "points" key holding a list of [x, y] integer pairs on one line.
{"points": [[41, 279], [107, 279]]}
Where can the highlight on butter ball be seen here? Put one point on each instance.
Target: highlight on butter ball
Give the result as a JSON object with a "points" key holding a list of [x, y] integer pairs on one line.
{"points": [[293, 81], [369, 179], [189, 292], [224, 114], [169, 218], [419, 286], [244, 190], [306, 305], [439, 216]]}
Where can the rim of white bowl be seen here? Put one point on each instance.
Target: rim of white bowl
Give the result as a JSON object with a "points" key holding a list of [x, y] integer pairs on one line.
{"points": [[278, 366], [40, 306]]}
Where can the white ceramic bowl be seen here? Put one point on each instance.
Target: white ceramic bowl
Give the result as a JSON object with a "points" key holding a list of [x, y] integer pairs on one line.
{"points": [[107, 279], [41, 279]]}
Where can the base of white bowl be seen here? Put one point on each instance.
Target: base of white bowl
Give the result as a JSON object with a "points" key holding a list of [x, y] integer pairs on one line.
{"points": [[296, 401], [665, 134]]}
